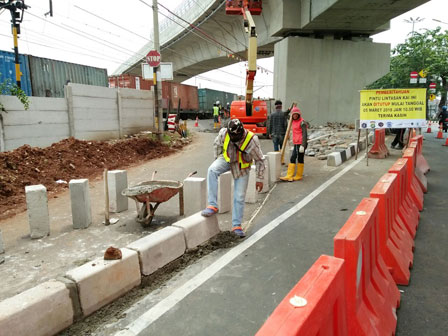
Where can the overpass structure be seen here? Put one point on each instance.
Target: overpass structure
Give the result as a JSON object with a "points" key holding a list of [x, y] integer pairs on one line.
{"points": [[323, 53]]}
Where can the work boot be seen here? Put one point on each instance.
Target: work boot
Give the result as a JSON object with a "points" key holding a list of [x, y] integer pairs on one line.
{"points": [[299, 173], [289, 173]]}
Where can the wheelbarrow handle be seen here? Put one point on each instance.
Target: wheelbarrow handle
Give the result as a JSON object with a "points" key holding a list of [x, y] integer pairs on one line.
{"points": [[192, 173]]}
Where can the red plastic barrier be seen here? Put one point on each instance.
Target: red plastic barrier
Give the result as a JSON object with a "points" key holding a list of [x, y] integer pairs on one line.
{"points": [[407, 209], [379, 149], [416, 191], [372, 295], [325, 311], [421, 161], [421, 178], [394, 240]]}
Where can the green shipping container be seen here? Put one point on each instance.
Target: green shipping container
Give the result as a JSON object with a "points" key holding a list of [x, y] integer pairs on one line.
{"points": [[48, 77], [208, 97]]}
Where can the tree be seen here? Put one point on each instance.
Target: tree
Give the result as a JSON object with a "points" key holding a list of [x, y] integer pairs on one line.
{"points": [[427, 51]]}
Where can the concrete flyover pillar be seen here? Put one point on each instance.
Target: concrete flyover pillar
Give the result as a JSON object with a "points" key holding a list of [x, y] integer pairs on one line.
{"points": [[325, 75], [37, 208], [118, 181], [225, 192], [80, 201], [195, 194]]}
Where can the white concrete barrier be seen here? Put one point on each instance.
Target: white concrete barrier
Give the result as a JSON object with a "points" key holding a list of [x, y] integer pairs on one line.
{"points": [[251, 192], [198, 229], [225, 192], [334, 159], [267, 177], [159, 248], [195, 194], [37, 208], [43, 310], [118, 181], [80, 202], [275, 166], [102, 281]]}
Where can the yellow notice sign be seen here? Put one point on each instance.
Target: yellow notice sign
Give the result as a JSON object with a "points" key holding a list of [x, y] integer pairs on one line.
{"points": [[423, 73], [393, 108]]}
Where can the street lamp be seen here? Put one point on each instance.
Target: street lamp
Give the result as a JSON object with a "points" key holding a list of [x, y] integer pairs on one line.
{"points": [[414, 21], [440, 21]]}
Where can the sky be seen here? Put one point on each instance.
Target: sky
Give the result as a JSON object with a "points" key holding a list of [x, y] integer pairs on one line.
{"points": [[105, 33]]}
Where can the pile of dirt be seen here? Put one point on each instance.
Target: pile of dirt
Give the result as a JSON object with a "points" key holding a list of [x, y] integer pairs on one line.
{"points": [[56, 165]]}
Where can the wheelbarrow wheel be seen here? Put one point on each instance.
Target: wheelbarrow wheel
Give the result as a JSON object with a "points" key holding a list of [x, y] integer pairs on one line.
{"points": [[146, 213]]}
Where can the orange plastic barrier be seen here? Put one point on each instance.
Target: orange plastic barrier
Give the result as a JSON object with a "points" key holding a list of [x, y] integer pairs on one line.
{"points": [[421, 161], [421, 178], [395, 242], [415, 189], [379, 149], [407, 209], [325, 311], [372, 295]]}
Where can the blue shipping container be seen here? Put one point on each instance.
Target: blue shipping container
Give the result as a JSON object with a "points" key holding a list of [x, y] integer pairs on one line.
{"points": [[8, 70]]}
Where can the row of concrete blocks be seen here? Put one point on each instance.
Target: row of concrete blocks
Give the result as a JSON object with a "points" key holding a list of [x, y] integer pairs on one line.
{"points": [[195, 196], [37, 203], [54, 305], [341, 155]]}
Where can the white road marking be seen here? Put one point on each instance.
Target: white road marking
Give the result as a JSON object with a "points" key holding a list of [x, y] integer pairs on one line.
{"points": [[149, 317]]}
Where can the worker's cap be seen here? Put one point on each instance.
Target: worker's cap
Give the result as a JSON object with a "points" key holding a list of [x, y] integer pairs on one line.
{"points": [[444, 108], [278, 102], [295, 110], [235, 129]]}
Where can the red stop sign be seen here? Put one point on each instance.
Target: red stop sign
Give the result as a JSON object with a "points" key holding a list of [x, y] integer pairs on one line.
{"points": [[153, 58], [432, 85]]}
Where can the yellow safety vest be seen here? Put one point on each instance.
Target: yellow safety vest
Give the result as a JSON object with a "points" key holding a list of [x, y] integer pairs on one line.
{"points": [[243, 164], [215, 110]]}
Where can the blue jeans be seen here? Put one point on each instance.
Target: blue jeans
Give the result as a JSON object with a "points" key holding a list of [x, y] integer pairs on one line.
{"points": [[278, 142], [218, 167]]}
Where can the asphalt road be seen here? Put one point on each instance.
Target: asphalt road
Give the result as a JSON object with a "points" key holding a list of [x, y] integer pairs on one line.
{"points": [[232, 292]]}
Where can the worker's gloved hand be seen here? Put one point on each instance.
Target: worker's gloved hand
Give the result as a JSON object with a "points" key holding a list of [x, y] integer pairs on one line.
{"points": [[301, 149], [259, 186]]}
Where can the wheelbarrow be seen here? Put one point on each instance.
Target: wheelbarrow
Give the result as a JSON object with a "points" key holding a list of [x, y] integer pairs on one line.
{"points": [[149, 194]]}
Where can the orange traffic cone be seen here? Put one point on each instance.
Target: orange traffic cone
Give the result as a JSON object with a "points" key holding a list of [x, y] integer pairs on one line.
{"points": [[440, 134], [429, 127], [446, 142], [196, 124]]}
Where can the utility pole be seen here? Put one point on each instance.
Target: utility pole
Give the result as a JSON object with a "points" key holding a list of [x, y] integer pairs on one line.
{"points": [[157, 101], [16, 7]]}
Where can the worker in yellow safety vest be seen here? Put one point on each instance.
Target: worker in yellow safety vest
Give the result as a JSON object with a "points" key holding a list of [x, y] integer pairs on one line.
{"points": [[235, 149], [215, 115]]}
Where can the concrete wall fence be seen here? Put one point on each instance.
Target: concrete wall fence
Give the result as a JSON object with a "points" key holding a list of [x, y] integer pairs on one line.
{"points": [[87, 112]]}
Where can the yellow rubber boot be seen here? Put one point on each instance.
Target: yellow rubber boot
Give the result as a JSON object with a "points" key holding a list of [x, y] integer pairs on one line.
{"points": [[290, 173], [299, 173]]}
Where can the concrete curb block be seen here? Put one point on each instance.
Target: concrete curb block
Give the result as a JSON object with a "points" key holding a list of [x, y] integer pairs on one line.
{"points": [[195, 194], [225, 192], [42, 310], [159, 248], [37, 208], [118, 181], [251, 193], [275, 166], [198, 229], [94, 283], [80, 203]]}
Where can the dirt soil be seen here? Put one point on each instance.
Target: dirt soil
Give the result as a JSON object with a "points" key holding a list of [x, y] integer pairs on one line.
{"points": [[56, 165]]}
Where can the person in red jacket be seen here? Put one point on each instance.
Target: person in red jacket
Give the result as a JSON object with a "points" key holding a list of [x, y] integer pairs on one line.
{"points": [[300, 141]]}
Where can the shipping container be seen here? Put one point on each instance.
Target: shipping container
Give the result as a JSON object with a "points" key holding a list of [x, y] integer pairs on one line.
{"points": [[48, 77], [172, 93], [8, 70], [208, 97], [130, 81]]}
